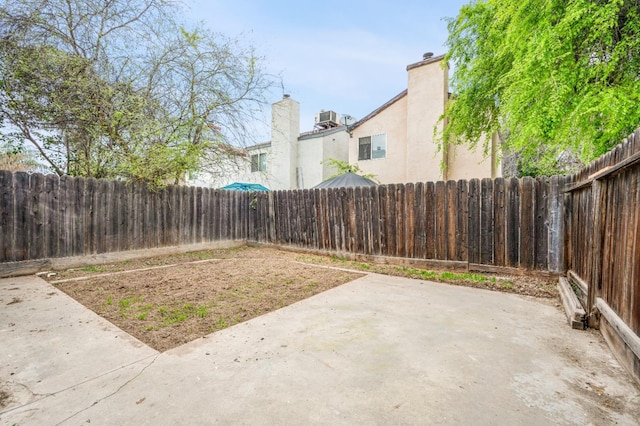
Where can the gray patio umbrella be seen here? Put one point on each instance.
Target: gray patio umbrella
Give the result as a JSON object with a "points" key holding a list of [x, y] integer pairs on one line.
{"points": [[346, 180]]}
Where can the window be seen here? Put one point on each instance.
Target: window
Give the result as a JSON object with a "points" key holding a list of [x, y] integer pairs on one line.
{"points": [[259, 162], [364, 148], [372, 147]]}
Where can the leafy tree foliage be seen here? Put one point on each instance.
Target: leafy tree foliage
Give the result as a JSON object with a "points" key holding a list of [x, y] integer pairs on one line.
{"points": [[120, 89], [343, 167], [550, 76]]}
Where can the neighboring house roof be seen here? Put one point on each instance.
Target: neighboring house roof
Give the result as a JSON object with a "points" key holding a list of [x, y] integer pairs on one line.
{"points": [[380, 109], [322, 132], [347, 179], [230, 149], [305, 135], [259, 146]]}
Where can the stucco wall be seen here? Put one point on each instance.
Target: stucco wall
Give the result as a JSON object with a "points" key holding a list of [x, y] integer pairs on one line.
{"points": [[427, 94], [466, 163], [285, 128], [393, 122], [313, 153]]}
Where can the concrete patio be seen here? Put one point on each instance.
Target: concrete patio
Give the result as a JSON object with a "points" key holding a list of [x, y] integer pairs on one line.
{"points": [[378, 350]]}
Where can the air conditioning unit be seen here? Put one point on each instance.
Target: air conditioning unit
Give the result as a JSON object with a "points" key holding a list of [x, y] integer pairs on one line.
{"points": [[327, 119]]}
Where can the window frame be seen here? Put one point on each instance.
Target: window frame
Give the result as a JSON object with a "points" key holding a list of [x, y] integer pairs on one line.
{"points": [[259, 162], [367, 147]]}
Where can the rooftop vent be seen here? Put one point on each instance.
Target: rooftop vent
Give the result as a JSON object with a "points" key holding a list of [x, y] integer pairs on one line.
{"points": [[427, 55]]}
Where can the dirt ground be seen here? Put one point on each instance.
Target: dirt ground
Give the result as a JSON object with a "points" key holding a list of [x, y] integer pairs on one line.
{"points": [[167, 301]]}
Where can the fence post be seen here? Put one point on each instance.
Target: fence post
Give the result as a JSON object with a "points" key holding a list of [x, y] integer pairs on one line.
{"points": [[595, 287], [556, 225]]}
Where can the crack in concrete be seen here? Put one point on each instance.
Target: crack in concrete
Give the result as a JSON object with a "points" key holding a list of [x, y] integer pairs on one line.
{"points": [[155, 357], [39, 397]]}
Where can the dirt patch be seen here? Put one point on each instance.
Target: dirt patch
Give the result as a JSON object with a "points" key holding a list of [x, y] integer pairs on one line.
{"points": [[167, 301]]}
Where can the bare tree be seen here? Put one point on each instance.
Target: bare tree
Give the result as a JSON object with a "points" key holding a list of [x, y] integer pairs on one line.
{"points": [[118, 88]]}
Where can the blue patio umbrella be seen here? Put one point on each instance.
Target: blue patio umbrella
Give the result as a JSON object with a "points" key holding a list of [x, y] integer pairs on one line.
{"points": [[243, 186]]}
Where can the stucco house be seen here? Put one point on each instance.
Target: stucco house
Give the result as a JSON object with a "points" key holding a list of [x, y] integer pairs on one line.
{"points": [[395, 142]]}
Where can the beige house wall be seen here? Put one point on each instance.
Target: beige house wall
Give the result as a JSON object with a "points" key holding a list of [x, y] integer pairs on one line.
{"points": [[391, 121], [465, 163], [427, 95]]}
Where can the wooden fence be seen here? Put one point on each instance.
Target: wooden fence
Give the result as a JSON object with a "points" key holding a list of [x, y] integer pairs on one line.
{"points": [[50, 216], [603, 245], [495, 223]]}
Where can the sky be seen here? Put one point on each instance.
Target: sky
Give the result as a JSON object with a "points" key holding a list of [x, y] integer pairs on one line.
{"points": [[349, 57]]}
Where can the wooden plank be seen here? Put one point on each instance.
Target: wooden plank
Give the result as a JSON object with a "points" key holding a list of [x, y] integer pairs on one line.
{"points": [[527, 211], [499, 223], [300, 227], [111, 217], [486, 222], [100, 210], [169, 199], [452, 220], [430, 220], [628, 181], [313, 216], [576, 316], [215, 215], [358, 218], [419, 219], [391, 221], [65, 221], [26, 267], [474, 221], [327, 226], [410, 225], [376, 239], [21, 197], [319, 211], [555, 252], [383, 223], [123, 211], [629, 337], [579, 282], [79, 216], [7, 217], [606, 172], [90, 195], [462, 218], [192, 218], [351, 220], [400, 216], [540, 225], [634, 280], [289, 216], [343, 220], [199, 215], [186, 214], [52, 216], [37, 221], [441, 220]]}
